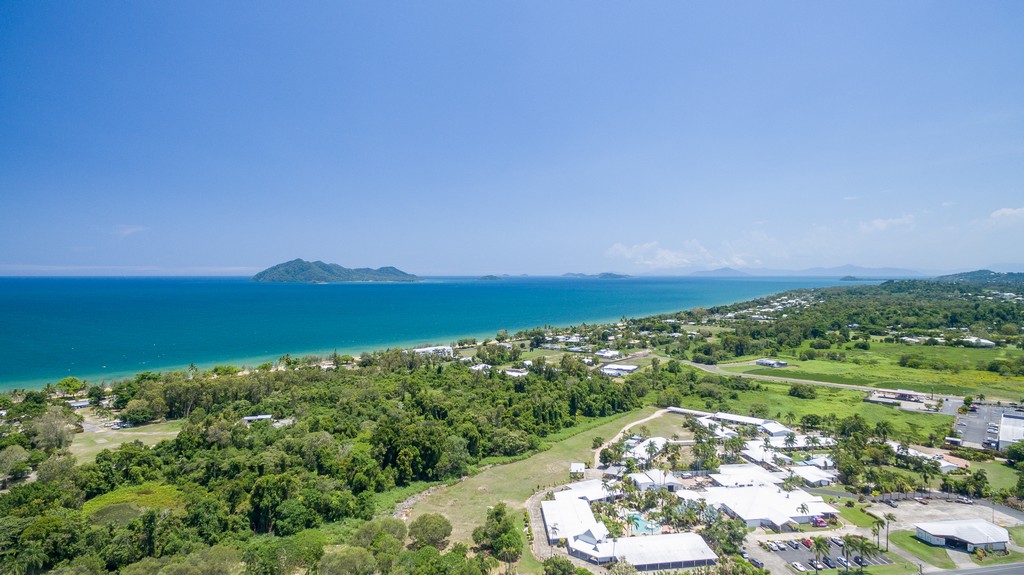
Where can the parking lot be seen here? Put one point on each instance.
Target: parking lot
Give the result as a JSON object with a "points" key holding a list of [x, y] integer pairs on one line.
{"points": [[804, 556], [975, 428]]}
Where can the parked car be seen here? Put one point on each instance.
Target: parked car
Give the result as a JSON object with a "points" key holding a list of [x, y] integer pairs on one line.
{"points": [[842, 561], [859, 560], [799, 566], [808, 543], [828, 562], [756, 562], [838, 541], [792, 543], [892, 503], [819, 522], [773, 546], [966, 500], [817, 565]]}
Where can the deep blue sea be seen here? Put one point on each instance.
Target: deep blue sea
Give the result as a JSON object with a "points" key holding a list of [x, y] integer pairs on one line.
{"points": [[109, 328]]}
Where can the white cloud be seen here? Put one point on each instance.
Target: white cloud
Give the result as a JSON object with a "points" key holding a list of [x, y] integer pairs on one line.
{"points": [[851, 198], [883, 224], [649, 255], [652, 255], [948, 204], [124, 230], [1007, 214]]}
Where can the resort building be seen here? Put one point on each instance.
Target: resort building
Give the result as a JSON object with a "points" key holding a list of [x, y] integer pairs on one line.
{"points": [[439, 350], [813, 476], [767, 506], [642, 451], [648, 553], [966, 534], [655, 479], [746, 475], [571, 520], [589, 490]]}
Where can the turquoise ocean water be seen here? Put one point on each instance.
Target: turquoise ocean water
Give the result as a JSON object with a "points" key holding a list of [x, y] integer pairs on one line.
{"points": [[108, 328]]}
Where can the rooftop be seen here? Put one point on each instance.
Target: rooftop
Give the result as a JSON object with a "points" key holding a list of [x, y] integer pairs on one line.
{"points": [[973, 531]]}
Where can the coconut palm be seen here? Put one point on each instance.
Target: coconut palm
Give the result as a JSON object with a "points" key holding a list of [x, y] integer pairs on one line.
{"points": [[790, 440], [850, 545], [889, 518], [820, 547]]}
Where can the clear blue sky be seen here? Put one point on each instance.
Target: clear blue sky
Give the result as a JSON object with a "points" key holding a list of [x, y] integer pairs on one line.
{"points": [[509, 137]]}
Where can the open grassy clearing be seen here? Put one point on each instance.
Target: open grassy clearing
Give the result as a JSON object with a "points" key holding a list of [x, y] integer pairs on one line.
{"points": [[86, 445], [667, 425], [857, 515], [841, 402], [1016, 534], [465, 503], [879, 367], [930, 554], [126, 503], [1000, 475]]}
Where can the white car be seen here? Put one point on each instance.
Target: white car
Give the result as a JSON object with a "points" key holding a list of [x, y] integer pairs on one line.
{"points": [[799, 566]]}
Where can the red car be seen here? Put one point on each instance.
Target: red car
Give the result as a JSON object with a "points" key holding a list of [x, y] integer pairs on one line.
{"points": [[808, 543]]}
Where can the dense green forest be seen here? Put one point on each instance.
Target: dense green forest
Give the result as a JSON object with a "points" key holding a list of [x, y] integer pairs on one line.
{"points": [[353, 434]]}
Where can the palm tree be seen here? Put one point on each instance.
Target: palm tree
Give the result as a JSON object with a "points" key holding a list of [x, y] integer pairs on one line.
{"points": [[813, 441], [883, 429], [803, 509], [32, 557], [867, 551], [889, 518], [820, 547], [851, 543], [876, 528], [790, 440]]}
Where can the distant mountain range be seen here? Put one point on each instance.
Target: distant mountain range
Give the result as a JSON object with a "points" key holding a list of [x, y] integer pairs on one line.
{"points": [[601, 276], [301, 271], [838, 272]]}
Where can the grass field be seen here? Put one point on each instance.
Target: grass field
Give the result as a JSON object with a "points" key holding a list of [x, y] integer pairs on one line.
{"points": [[667, 425], [1000, 476], [125, 503], [879, 367], [856, 515], [465, 503], [842, 402], [86, 445], [930, 554], [1016, 534]]}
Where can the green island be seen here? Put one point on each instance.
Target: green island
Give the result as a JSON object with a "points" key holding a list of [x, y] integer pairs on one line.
{"points": [[301, 271], [850, 420]]}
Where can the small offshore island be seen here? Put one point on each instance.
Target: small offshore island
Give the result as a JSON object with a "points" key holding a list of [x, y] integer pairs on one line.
{"points": [[301, 271]]}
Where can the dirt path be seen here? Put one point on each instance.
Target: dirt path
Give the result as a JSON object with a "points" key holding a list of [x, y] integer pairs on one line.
{"points": [[597, 452]]}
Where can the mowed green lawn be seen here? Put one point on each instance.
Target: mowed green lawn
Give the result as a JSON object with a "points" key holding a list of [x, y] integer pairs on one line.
{"points": [[931, 554], [85, 446], [842, 402], [879, 367], [465, 503]]}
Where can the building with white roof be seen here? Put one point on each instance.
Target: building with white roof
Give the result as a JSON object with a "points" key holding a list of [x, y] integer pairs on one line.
{"points": [[745, 475], [720, 431], [618, 369], [775, 429], [565, 518], [655, 479], [1011, 430], [647, 553], [577, 468], [440, 350], [763, 506], [813, 476], [969, 534], [588, 490], [743, 419], [642, 453]]}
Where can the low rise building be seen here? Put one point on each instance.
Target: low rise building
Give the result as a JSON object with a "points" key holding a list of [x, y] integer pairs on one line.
{"points": [[966, 534]]}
